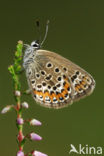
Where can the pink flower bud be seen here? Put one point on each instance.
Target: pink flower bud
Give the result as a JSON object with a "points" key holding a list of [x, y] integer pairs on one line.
{"points": [[37, 153], [6, 109], [20, 136], [35, 137], [25, 105], [35, 122], [17, 93], [20, 153], [20, 121]]}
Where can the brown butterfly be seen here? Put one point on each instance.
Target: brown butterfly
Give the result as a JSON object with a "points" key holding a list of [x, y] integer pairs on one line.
{"points": [[54, 81]]}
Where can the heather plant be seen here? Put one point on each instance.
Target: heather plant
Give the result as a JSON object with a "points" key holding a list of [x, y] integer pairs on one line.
{"points": [[15, 71]]}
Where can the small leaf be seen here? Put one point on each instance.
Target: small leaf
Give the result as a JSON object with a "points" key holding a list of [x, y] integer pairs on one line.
{"points": [[11, 69], [23, 142], [18, 68]]}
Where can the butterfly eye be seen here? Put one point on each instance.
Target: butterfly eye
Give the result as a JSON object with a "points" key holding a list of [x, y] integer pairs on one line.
{"points": [[35, 45]]}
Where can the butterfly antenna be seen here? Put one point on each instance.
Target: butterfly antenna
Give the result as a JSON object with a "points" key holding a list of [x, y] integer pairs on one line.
{"points": [[38, 26], [46, 32]]}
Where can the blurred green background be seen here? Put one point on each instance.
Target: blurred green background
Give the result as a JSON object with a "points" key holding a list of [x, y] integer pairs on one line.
{"points": [[76, 31]]}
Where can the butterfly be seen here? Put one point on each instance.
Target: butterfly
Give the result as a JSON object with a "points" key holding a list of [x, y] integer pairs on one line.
{"points": [[54, 81]]}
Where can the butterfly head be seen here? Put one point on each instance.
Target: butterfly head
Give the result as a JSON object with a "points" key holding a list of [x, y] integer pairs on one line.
{"points": [[30, 52], [35, 45], [32, 49]]}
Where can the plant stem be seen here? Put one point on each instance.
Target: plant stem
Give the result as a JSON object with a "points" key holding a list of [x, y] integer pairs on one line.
{"points": [[15, 72]]}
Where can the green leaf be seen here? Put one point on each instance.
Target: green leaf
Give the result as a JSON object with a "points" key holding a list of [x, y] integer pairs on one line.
{"points": [[11, 69], [18, 68], [23, 142]]}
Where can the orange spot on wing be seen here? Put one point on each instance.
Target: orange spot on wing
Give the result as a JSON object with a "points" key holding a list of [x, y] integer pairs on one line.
{"points": [[83, 82], [51, 97], [76, 88], [35, 92], [67, 85], [58, 96], [45, 94], [63, 93], [66, 79], [54, 95], [85, 78], [82, 86], [38, 93]]}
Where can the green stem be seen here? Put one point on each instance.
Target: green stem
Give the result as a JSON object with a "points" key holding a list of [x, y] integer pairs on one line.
{"points": [[15, 71]]}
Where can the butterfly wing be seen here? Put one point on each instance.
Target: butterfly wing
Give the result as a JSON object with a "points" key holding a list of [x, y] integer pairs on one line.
{"points": [[56, 82]]}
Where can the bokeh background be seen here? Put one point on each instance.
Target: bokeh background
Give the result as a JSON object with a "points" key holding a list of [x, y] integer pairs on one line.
{"points": [[76, 31]]}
